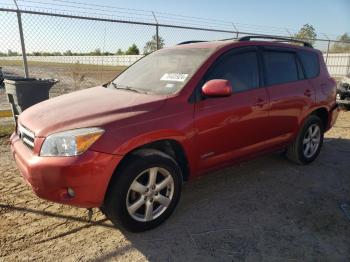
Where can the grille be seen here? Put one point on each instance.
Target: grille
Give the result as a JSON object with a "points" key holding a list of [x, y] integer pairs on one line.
{"points": [[27, 136]]}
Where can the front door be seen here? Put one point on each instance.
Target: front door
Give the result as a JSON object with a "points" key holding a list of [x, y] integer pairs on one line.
{"points": [[234, 126]]}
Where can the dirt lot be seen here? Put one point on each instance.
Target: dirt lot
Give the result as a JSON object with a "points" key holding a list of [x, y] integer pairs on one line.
{"points": [[71, 77], [263, 210]]}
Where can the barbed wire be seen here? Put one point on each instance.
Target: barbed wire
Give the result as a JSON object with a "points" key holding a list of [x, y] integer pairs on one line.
{"points": [[136, 15], [87, 8], [65, 11]]}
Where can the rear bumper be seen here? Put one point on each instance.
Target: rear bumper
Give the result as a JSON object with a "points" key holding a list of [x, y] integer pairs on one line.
{"points": [[50, 177]]}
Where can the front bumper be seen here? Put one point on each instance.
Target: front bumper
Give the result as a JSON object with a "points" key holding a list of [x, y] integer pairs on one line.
{"points": [[50, 177]]}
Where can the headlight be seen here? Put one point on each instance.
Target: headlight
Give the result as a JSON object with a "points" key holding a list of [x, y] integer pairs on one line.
{"points": [[70, 143]]}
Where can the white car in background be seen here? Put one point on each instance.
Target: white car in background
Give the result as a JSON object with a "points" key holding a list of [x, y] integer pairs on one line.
{"points": [[343, 92]]}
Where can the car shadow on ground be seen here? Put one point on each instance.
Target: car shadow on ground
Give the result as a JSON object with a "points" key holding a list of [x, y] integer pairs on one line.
{"points": [[264, 209], [267, 209]]}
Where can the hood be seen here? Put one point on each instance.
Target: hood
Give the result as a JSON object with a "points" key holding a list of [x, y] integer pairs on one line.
{"points": [[96, 106]]}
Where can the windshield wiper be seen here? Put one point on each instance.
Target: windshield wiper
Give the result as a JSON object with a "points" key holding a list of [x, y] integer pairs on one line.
{"points": [[116, 86]]}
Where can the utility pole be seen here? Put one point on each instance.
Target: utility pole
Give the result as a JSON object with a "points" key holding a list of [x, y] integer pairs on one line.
{"points": [[157, 30]]}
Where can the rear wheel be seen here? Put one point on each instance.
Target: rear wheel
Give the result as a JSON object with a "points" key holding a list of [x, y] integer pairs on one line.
{"points": [[307, 145], [145, 191]]}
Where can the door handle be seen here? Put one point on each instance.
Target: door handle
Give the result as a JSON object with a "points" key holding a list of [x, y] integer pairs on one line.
{"points": [[260, 102], [308, 92]]}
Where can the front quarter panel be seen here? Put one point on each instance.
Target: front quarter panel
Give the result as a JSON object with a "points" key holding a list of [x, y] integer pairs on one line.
{"points": [[174, 121]]}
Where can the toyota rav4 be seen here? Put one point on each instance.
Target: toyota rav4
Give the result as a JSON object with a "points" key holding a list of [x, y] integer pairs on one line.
{"points": [[127, 146]]}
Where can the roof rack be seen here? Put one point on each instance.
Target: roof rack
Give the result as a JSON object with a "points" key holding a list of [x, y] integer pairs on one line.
{"points": [[281, 39], [191, 42]]}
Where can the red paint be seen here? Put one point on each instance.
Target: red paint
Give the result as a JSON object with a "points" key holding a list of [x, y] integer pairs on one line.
{"points": [[217, 88], [213, 132]]}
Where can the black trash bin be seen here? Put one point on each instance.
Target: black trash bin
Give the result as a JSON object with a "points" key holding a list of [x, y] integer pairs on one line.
{"points": [[25, 92], [1, 78]]}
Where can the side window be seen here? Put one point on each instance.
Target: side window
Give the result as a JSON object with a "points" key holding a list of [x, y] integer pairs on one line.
{"points": [[280, 67], [240, 69], [310, 63]]}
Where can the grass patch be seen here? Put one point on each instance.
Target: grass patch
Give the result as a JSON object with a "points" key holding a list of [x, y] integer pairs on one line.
{"points": [[5, 113], [6, 130]]}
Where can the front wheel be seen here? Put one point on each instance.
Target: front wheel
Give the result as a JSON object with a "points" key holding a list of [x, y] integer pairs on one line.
{"points": [[308, 143], [144, 191]]}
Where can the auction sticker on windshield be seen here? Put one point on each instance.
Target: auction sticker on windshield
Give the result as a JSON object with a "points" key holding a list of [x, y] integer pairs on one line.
{"points": [[176, 77]]}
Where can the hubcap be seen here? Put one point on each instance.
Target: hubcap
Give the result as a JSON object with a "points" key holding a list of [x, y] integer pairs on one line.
{"points": [[150, 194], [311, 140]]}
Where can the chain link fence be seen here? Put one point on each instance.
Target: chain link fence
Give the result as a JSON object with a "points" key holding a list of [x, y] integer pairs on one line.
{"points": [[84, 50]]}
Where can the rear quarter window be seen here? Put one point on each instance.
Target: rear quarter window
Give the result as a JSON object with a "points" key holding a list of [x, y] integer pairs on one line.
{"points": [[310, 63], [280, 67]]}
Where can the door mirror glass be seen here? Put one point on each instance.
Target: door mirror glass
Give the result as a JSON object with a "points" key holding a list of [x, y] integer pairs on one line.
{"points": [[217, 88]]}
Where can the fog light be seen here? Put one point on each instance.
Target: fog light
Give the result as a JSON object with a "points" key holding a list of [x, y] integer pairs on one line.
{"points": [[70, 192]]}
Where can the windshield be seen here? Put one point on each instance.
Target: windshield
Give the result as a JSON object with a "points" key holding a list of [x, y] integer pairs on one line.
{"points": [[162, 72]]}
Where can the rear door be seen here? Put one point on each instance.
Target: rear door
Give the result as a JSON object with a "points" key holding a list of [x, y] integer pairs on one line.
{"points": [[290, 94], [232, 126]]}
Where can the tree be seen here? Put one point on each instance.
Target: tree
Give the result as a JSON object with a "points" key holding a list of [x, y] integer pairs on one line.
{"points": [[68, 53], [120, 52], [133, 50], [96, 52], [343, 46], [151, 46], [12, 53], [308, 33]]}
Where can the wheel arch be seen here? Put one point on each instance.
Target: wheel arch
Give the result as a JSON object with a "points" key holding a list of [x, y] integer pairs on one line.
{"points": [[169, 146], [323, 114]]}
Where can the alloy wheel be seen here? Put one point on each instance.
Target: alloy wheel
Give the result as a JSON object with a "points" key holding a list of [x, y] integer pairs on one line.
{"points": [[311, 141], [150, 194]]}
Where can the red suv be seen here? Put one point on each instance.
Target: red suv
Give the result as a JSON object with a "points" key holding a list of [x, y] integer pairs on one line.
{"points": [[178, 113]]}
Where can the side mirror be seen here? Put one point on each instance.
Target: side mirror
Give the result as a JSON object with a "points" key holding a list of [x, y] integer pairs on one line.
{"points": [[217, 88]]}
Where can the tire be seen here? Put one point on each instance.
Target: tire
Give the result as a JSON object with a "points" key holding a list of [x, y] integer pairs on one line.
{"points": [[297, 151], [123, 204]]}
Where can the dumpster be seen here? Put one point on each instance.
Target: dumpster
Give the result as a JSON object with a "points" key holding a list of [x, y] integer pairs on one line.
{"points": [[1, 78], [25, 92]]}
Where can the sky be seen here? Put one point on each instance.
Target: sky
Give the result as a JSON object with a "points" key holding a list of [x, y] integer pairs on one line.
{"points": [[328, 16], [42, 33]]}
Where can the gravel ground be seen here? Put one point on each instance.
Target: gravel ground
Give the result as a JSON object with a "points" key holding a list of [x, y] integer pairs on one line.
{"points": [[267, 209]]}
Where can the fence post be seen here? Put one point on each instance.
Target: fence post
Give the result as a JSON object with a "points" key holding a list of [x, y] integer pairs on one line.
{"points": [[24, 54], [236, 29], [329, 43], [157, 30], [157, 36]]}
